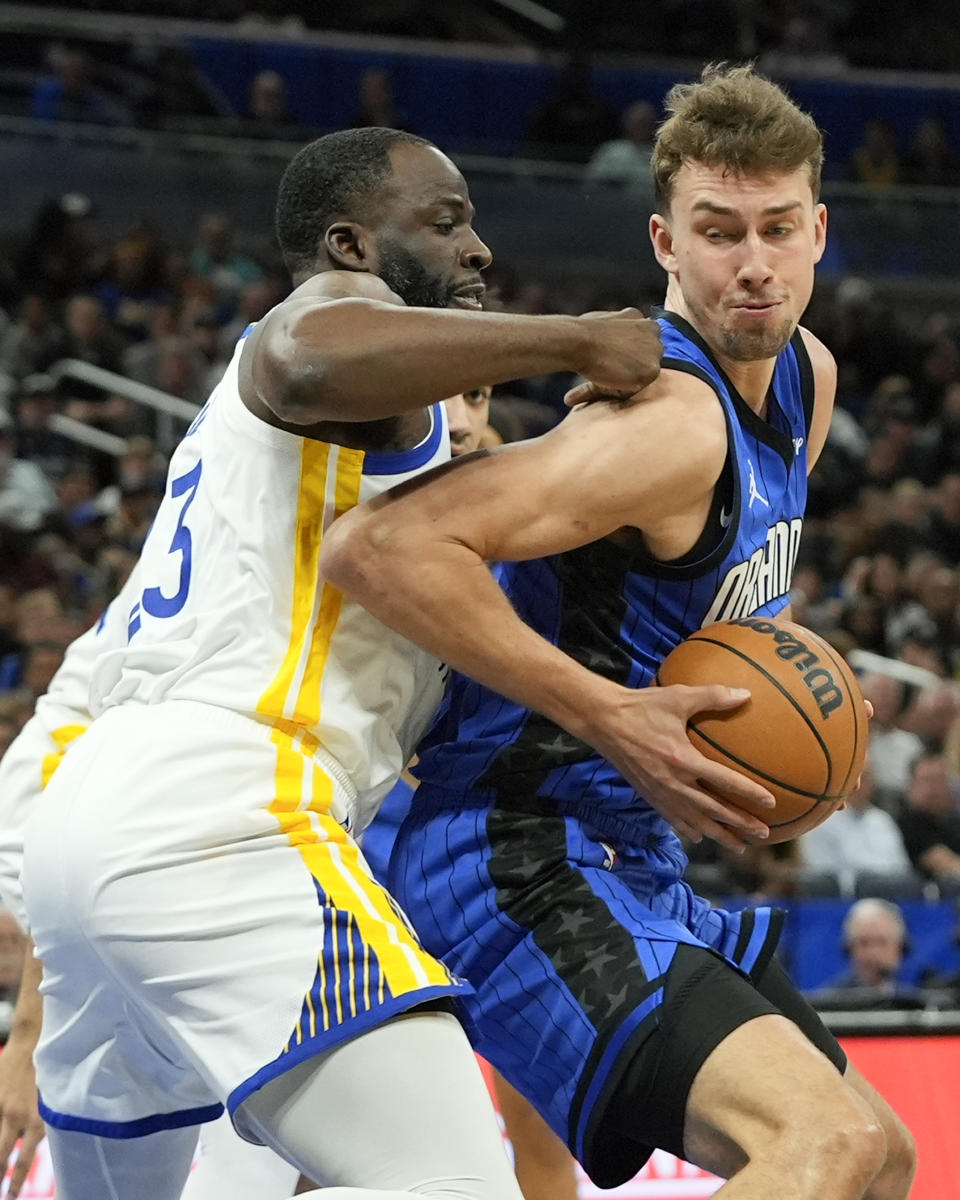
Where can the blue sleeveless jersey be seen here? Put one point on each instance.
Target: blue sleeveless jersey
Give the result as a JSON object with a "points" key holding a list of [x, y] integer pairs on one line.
{"points": [[619, 611]]}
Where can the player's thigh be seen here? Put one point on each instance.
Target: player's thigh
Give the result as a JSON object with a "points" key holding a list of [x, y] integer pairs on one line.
{"points": [[402, 1108], [87, 1166], [229, 1168], [765, 1092]]}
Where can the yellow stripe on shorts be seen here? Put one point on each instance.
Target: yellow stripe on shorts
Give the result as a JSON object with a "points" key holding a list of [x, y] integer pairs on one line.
{"points": [[302, 802], [62, 737]]}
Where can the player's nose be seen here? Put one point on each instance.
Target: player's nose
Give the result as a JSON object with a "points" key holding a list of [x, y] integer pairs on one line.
{"points": [[754, 267], [475, 253]]}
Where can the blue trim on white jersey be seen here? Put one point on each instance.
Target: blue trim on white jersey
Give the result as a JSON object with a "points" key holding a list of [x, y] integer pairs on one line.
{"points": [[141, 1127], [342, 1032], [400, 461]]}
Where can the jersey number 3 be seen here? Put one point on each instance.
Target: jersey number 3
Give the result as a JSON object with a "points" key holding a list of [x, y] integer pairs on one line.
{"points": [[154, 601]]}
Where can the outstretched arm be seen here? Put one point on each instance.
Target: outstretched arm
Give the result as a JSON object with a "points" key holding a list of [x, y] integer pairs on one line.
{"points": [[416, 558], [344, 347]]}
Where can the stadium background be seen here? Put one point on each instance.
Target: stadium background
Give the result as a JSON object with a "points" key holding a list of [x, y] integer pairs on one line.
{"points": [[142, 148]]}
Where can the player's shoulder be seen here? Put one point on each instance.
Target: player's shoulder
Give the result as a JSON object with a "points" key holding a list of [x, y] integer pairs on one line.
{"points": [[822, 362], [342, 285], [677, 416]]}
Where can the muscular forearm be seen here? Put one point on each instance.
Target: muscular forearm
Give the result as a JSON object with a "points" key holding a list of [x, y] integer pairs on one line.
{"points": [[447, 601], [361, 360]]}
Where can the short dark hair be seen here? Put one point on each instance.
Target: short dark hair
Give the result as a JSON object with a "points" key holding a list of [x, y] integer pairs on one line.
{"points": [[323, 183]]}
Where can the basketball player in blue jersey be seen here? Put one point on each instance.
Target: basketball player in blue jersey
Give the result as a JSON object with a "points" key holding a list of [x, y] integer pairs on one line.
{"points": [[208, 929], [631, 1013]]}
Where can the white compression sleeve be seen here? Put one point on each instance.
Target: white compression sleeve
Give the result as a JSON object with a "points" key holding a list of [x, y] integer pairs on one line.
{"points": [[401, 1109], [231, 1169], [88, 1167]]}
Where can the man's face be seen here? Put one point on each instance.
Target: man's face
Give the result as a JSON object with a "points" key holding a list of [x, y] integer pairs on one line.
{"points": [[740, 251], [467, 416], [929, 787], [876, 948], [425, 247]]}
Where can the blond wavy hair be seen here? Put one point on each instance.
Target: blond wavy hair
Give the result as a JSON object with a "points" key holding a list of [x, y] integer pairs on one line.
{"points": [[734, 118]]}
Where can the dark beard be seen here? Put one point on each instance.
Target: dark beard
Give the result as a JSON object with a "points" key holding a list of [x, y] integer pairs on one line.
{"points": [[404, 274]]}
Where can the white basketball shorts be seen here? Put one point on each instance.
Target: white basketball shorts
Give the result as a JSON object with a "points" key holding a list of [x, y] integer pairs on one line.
{"points": [[204, 921]]}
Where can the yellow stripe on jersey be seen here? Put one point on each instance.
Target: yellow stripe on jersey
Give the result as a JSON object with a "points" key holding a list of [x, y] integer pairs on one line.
{"points": [[346, 496], [301, 805], [314, 458], [62, 737], [330, 480]]}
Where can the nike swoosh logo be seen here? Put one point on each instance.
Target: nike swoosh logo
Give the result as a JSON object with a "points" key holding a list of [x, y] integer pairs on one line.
{"points": [[725, 517]]}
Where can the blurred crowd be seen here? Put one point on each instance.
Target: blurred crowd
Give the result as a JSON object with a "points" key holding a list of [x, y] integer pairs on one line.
{"points": [[160, 83], [809, 36]]}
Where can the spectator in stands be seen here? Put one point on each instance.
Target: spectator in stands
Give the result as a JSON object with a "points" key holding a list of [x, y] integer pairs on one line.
{"points": [[876, 161], [625, 161], [939, 367], [67, 93], [178, 93], [943, 531], [34, 341], [41, 661], [26, 497], [377, 103], [860, 837], [36, 400], [806, 51], [932, 712], [861, 616], [892, 749], [135, 287], [931, 161], [90, 337], [930, 823], [63, 253], [875, 941], [215, 259], [573, 120], [266, 114], [932, 617]]}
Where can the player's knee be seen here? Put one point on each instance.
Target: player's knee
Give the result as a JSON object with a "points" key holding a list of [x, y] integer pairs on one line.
{"points": [[900, 1165], [849, 1140]]}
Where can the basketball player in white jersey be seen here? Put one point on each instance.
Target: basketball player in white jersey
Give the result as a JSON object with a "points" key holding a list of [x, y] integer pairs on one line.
{"points": [[208, 930], [228, 1167]]}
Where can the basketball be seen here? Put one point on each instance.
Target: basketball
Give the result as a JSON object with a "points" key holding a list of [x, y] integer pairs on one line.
{"points": [[803, 732]]}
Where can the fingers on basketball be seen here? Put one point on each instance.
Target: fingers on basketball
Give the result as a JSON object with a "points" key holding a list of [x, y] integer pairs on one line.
{"points": [[802, 734]]}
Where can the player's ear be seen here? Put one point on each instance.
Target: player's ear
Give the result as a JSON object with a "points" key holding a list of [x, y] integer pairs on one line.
{"points": [[819, 231], [662, 239], [347, 245]]}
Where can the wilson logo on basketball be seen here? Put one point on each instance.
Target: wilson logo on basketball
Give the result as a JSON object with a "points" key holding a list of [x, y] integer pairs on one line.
{"points": [[823, 687]]}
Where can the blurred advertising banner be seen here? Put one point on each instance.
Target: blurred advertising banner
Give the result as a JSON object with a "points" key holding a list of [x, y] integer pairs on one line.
{"points": [[920, 1076]]}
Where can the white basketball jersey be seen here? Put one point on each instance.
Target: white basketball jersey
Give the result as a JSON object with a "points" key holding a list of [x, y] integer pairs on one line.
{"points": [[234, 613]]}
